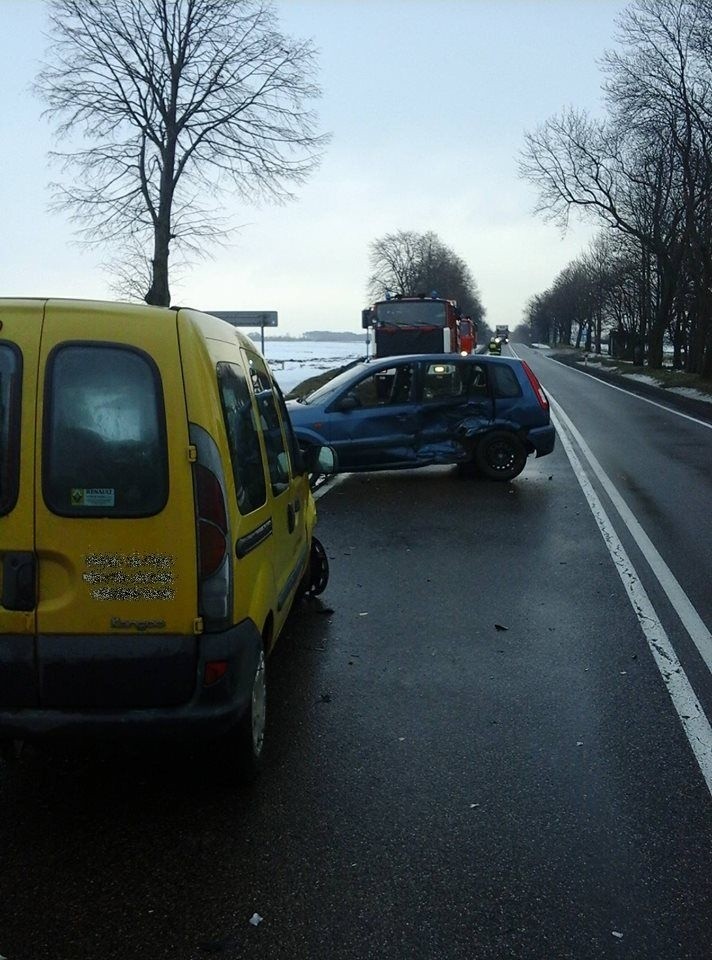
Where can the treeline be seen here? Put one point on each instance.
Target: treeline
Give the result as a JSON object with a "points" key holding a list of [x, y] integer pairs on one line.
{"points": [[644, 172], [411, 263]]}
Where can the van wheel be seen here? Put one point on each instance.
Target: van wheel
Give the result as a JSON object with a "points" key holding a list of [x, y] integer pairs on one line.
{"points": [[318, 571], [247, 740], [319, 568], [500, 455]]}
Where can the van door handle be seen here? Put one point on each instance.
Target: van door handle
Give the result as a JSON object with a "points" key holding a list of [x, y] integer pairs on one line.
{"points": [[291, 518], [19, 575]]}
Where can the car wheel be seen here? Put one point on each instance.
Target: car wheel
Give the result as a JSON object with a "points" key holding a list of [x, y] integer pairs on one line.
{"points": [[246, 742], [316, 576], [500, 455]]}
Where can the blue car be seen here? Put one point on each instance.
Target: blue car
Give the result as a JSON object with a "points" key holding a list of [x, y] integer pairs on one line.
{"points": [[415, 411]]}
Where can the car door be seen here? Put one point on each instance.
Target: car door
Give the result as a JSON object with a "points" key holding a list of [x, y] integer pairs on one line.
{"points": [[115, 536], [372, 425], [288, 500], [19, 350], [455, 400]]}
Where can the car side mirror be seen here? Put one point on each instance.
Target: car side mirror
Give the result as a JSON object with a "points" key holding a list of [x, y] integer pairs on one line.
{"points": [[320, 460], [348, 402]]}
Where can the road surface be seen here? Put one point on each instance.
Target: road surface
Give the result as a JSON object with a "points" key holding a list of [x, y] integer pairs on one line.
{"points": [[477, 749]]}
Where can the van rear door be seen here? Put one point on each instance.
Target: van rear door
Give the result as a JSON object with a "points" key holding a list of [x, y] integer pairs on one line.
{"points": [[115, 529], [20, 328]]}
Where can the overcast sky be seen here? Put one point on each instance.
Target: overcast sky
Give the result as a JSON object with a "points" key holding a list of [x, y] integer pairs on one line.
{"points": [[427, 102]]}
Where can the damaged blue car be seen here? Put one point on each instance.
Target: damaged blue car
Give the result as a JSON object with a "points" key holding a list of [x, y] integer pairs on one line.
{"points": [[416, 411]]}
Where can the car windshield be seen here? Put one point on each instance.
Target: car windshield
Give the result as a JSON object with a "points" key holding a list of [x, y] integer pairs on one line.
{"points": [[412, 313], [324, 393]]}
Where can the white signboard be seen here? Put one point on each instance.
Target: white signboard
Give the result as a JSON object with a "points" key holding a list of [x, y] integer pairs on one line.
{"points": [[246, 318]]}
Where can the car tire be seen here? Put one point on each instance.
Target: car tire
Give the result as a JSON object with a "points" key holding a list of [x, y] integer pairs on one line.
{"points": [[244, 745], [316, 576], [500, 455]]}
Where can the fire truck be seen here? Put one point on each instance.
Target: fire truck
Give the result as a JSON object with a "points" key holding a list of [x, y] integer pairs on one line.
{"points": [[419, 324]]}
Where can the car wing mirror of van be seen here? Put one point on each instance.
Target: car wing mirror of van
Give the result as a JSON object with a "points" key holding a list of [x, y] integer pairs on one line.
{"points": [[348, 402], [320, 460]]}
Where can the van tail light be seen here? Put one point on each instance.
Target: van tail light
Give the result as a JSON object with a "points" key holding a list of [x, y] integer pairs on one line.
{"points": [[212, 521], [536, 387], [214, 556]]}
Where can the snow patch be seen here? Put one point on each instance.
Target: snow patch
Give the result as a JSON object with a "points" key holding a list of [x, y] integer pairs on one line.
{"points": [[692, 393]]}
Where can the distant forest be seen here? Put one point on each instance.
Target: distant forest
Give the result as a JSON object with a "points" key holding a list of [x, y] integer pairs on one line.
{"points": [[335, 335]]}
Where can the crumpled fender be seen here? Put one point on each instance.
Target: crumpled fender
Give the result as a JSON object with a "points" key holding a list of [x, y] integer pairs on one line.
{"points": [[475, 426]]}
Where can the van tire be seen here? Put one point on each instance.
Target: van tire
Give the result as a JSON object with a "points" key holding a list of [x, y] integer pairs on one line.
{"points": [[500, 455], [316, 575], [246, 741]]}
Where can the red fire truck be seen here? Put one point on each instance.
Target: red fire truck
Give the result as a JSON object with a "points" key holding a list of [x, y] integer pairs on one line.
{"points": [[419, 325]]}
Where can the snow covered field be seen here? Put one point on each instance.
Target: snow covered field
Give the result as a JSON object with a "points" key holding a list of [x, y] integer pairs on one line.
{"points": [[295, 360]]}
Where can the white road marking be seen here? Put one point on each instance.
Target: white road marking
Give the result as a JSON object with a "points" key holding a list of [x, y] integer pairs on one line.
{"points": [[690, 618], [694, 722], [637, 396], [330, 484]]}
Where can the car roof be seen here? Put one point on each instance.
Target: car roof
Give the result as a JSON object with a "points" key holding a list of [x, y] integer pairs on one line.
{"points": [[434, 358]]}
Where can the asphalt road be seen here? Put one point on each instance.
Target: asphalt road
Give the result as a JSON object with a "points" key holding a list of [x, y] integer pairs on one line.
{"points": [[473, 753]]}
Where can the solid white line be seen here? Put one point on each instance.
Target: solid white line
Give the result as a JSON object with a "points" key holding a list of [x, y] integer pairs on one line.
{"points": [[688, 615], [694, 722], [330, 484], [637, 396]]}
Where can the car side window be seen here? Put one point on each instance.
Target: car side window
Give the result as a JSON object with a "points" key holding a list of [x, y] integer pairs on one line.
{"points": [[242, 437], [386, 387], [294, 452], [10, 376], [444, 381], [505, 381], [277, 456]]}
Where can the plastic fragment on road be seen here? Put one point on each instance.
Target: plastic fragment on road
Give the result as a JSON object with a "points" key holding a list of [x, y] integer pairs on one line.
{"points": [[256, 919], [498, 626], [363, 614], [579, 743], [617, 935]]}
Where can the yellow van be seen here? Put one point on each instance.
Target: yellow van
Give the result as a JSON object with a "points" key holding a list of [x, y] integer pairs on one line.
{"points": [[156, 524]]}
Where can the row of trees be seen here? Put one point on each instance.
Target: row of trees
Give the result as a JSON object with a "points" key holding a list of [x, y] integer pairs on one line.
{"points": [[410, 263], [644, 172]]}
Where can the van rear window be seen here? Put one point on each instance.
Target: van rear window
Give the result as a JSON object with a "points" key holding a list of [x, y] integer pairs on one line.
{"points": [[104, 433], [10, 375]]}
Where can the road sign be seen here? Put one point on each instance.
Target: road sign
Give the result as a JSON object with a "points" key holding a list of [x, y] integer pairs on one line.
{"points": [[246, 318]]}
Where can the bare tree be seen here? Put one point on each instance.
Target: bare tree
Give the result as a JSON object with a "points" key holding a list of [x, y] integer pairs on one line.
{"points": [[411, 263], [177, 100]]}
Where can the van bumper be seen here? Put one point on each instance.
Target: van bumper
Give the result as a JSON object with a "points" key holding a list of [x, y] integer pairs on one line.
{"points": [[210, 711]]}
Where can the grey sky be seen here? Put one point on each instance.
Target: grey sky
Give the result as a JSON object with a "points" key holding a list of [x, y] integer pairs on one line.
{"points": [[426, 100]]}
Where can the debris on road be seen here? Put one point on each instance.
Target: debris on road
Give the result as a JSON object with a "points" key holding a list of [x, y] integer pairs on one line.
{"points": [[617, 935], [498, 626], [256, 919]]}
